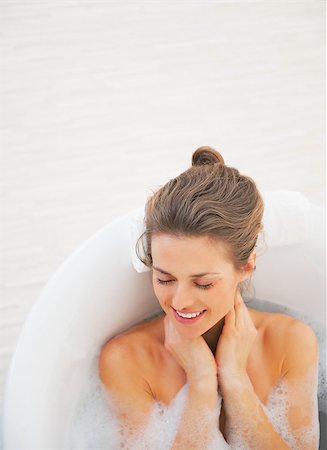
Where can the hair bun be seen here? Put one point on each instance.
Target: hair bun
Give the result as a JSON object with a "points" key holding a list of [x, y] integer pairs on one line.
{"points": [[206, 155]]}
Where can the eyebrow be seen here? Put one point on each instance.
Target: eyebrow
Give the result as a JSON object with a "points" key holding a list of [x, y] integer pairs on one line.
{"points": [[198, 275]]}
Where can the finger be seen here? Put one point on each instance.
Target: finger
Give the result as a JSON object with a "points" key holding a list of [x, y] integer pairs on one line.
{"points": [[239, 307], [243, 307], [168, 329], [166, 323], [237, 298], [230, 318], [171, 333], [247, 317], [243, 316]]}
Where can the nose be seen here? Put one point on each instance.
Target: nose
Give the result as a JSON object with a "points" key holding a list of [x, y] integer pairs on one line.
{"points": [[182, 300]]}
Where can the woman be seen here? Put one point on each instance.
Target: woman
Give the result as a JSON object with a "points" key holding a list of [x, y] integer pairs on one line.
{"points": [[200, 242]]}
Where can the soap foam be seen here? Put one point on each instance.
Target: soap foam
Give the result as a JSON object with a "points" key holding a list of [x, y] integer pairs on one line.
{"points": [[278, 406], [95, 424], [161, 429], [276, 409]]}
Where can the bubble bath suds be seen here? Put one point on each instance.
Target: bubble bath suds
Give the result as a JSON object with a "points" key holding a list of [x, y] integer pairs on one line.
{"points": [[95, 425], [277, 408]]}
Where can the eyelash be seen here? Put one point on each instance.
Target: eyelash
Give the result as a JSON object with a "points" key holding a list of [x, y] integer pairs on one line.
{"points": [[200, 286]]}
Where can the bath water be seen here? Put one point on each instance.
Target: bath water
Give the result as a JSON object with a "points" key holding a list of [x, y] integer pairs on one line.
{"points": [[95, 426]]}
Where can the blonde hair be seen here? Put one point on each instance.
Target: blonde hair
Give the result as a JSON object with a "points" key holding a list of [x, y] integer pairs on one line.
{"points": [[209, 199]]}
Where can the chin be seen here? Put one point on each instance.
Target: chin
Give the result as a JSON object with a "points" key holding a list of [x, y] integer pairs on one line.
{"points": [[191, 331], [190, 334]]}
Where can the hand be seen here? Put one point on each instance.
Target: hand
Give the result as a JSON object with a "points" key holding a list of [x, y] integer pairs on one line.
{"points": [[193, 355], [236, 340]]}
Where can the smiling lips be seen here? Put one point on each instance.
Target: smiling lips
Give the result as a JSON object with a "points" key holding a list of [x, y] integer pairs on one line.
{"points": [[189, 317]]}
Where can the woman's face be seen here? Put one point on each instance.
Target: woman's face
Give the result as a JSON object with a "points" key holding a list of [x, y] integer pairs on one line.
{"points": [[193, 275]]}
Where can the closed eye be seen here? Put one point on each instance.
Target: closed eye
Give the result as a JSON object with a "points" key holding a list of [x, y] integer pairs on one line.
{"points": [[164, 281], [200, 286]]}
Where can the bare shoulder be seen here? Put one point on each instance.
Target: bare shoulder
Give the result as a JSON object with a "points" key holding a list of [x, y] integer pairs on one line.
{"points": [[131, 355], [290, 331], [124, 369], [300, 348], [276, 323], [292, 339]]}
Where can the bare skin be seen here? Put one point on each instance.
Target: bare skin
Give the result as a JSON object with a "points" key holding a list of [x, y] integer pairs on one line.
{"points": [[264, 366], [229, 346]]}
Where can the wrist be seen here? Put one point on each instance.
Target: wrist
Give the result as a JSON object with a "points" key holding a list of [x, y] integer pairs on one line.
{"points": [[229, 380], [204, 383], [203, 393]]}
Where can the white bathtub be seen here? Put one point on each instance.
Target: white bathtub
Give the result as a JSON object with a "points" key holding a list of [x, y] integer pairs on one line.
{"points": [[97, 293]]}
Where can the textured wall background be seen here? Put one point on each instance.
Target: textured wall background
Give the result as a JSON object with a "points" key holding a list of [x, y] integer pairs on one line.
{"points": [[103, 101]]}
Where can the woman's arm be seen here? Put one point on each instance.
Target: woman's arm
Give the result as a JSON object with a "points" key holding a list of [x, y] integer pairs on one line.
{"points": [[245, 417], [199, 424], [300, 375], [129, 393], [246, 421], [133, 402]]}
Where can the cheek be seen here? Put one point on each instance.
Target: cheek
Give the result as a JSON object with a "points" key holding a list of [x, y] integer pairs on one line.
{"points": [[159, 291], [221, 308], [226, 294], [156, 290]]}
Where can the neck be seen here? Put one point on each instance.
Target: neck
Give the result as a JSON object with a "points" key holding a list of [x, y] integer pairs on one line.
{"points": [[213, 334]]}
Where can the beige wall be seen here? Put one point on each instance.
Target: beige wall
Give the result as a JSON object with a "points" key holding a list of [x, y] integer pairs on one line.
{"points": [[104, 101]]}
